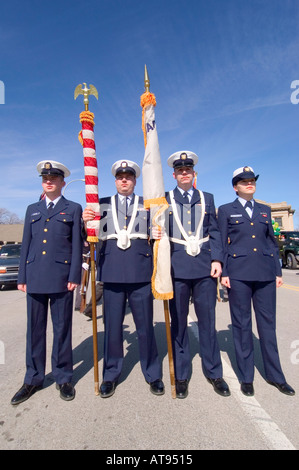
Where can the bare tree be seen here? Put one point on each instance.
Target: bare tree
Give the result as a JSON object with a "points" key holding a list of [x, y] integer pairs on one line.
{"points": [[7, 217]]}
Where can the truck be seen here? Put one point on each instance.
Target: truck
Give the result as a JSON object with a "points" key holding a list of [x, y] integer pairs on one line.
{"points": [[288, 243]]}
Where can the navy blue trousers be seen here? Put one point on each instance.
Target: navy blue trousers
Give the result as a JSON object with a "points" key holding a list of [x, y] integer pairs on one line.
{"points": [[204, 292], [61, 306], [141, 303], [263, 297]]}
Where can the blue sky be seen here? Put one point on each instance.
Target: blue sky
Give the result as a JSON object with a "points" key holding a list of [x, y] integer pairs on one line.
{"points": [[221, 71]]}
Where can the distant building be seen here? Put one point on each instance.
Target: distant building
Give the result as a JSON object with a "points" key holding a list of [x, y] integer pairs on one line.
{"points": [[11, 233], [282, 213]]}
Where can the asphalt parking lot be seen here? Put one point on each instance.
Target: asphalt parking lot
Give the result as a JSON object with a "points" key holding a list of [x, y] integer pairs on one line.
{"points": [[135, 420]]}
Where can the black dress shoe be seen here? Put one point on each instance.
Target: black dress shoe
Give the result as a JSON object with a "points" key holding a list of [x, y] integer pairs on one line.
{"points": [[247, 389], [67, 391], [157, 387], [24, 393], [220, 386], [87, 314], [107, 389], [283, 388], [181, 387]]}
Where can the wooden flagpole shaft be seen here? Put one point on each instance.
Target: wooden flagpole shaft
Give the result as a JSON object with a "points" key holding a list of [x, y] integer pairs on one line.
{"points": [[84, 286], [169, 347], [94, 318]]}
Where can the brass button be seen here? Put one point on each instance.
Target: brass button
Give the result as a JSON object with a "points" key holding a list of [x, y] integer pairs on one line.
{"points": [[45, 229], [44, 241], [254, 249], [65, 261], [44, 252], [251, 223], [253, 236], [47, 220]]}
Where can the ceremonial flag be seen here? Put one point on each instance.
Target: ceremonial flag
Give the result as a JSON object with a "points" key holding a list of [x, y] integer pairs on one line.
{"points": [[86, 138], [154, 198]]}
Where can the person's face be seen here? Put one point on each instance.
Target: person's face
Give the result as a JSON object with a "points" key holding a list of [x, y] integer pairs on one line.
{"points": [[52, 185], [125, 183], [184, 177], [246, 188]]}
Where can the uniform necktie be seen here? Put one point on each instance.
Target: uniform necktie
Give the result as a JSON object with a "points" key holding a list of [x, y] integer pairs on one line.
{"points": [[122, 214], [50, 207], [185, 197], [248, 208]]}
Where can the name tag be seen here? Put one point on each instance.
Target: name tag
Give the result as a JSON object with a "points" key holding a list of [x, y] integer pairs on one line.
{"points": [[236, 215]]}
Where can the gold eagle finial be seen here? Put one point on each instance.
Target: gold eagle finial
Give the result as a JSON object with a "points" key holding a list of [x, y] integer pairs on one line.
{"points": [[79, 90]]}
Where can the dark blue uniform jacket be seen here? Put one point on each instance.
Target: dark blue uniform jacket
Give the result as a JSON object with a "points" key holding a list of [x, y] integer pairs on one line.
{"points": [[185, 266], [133, 264], [51, 254], [251, 251]]}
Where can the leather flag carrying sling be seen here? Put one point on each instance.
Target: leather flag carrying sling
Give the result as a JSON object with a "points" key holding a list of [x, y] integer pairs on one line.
{"points": [[124, 236], [193, 243]]}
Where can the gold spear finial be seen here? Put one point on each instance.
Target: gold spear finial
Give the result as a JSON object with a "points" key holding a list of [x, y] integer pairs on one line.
{"points": [[79, 90], [146, 80]]}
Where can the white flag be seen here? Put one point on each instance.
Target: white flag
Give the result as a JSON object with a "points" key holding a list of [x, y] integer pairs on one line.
{"points": [[154, 199]]}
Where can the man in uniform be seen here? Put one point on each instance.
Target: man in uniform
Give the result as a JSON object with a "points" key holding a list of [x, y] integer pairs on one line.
{"points": [[50, 270], [251, 272], [196, 256], [125, 268]]}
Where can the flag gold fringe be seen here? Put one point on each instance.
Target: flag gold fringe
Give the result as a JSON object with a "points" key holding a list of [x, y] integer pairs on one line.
{"points": [[147, 203], [92, 239], [85, 116]]}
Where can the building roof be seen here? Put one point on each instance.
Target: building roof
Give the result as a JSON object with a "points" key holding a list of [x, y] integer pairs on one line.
{"points": [[11, 233]]}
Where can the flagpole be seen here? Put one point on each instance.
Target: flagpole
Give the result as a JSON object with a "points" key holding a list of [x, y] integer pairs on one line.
{"points": [[165, 301], [92, 237]]}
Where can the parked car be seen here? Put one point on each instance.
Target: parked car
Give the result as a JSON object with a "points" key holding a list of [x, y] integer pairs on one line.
{"points": [[9, 264], [288, 243]]}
